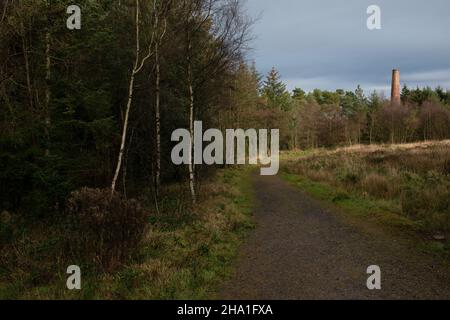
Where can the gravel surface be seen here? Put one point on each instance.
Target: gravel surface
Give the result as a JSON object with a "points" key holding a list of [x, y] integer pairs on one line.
{"points": [[302, 250]]}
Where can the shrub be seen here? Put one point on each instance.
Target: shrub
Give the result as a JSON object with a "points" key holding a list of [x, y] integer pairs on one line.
{"points": [[430, 204], [103, 228], [349, 177], [375, 185]]}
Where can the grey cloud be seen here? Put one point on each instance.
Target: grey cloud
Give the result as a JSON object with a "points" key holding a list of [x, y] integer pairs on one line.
{"points": [[325, 43]]}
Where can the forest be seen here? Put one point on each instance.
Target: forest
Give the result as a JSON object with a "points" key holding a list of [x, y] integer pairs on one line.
{"points": [[96, 107], [86, 118]]}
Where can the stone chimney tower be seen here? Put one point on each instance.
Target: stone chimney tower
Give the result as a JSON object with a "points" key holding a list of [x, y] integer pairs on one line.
{"points": [[395, 93]]}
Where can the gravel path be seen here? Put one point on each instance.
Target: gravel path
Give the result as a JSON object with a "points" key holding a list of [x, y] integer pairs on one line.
{"points": [[301, 250]]}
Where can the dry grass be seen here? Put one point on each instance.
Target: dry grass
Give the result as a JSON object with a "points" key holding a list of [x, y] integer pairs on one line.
{"points": [[414, 177], [376, 185], [414, 147]]}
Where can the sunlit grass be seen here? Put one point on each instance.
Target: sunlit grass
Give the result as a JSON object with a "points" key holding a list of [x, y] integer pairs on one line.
{"points": [[405, 185]]}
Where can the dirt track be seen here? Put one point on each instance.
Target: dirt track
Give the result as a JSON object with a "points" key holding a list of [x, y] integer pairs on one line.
{"points": [[301, 250]]}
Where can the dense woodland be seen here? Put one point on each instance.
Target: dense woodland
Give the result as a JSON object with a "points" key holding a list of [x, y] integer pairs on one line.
{"points": [[96, 107]]}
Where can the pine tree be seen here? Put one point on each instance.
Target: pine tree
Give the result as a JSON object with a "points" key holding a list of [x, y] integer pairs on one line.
{"points": [[405, 95], [299, 94], [275, 93]]}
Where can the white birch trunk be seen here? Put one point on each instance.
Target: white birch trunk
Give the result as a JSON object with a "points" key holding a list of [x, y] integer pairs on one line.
{"points": [[158, 122], [138, 65], [191, 131]]}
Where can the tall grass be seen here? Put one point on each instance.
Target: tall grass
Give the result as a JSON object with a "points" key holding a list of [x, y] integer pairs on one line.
{"points": [[416, 177]]}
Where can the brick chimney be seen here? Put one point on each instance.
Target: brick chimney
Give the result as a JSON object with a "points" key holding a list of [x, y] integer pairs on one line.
{"points": [[395, 93]]}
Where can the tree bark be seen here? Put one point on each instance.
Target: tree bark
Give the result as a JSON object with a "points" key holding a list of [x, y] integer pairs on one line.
{"points": [[191, 106], [124, 131], [192, 181], [158, 122], [138, 65], [158, 97]]}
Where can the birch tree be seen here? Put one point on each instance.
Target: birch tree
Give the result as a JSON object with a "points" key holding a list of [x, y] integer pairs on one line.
{"points": [[139, 64], [160, 35]]}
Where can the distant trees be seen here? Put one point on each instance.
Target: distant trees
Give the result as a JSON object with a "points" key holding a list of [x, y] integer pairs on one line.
{"points": [[332, 118], [433, 121], [424, 115]]}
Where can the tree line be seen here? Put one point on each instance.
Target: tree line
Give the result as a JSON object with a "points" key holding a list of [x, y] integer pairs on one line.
{"points": [[323, 118]]}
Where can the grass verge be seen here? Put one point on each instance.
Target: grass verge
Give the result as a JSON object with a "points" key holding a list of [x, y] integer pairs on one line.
{"points": [[186, 254]]}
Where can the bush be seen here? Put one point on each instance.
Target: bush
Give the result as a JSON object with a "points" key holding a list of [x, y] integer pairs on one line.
{"points": [[104, 229], [349, 177], [376, 185], [430, 204]]}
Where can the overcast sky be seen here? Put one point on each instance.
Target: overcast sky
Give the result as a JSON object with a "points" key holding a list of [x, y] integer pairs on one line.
{"points": [[326, 44]]}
